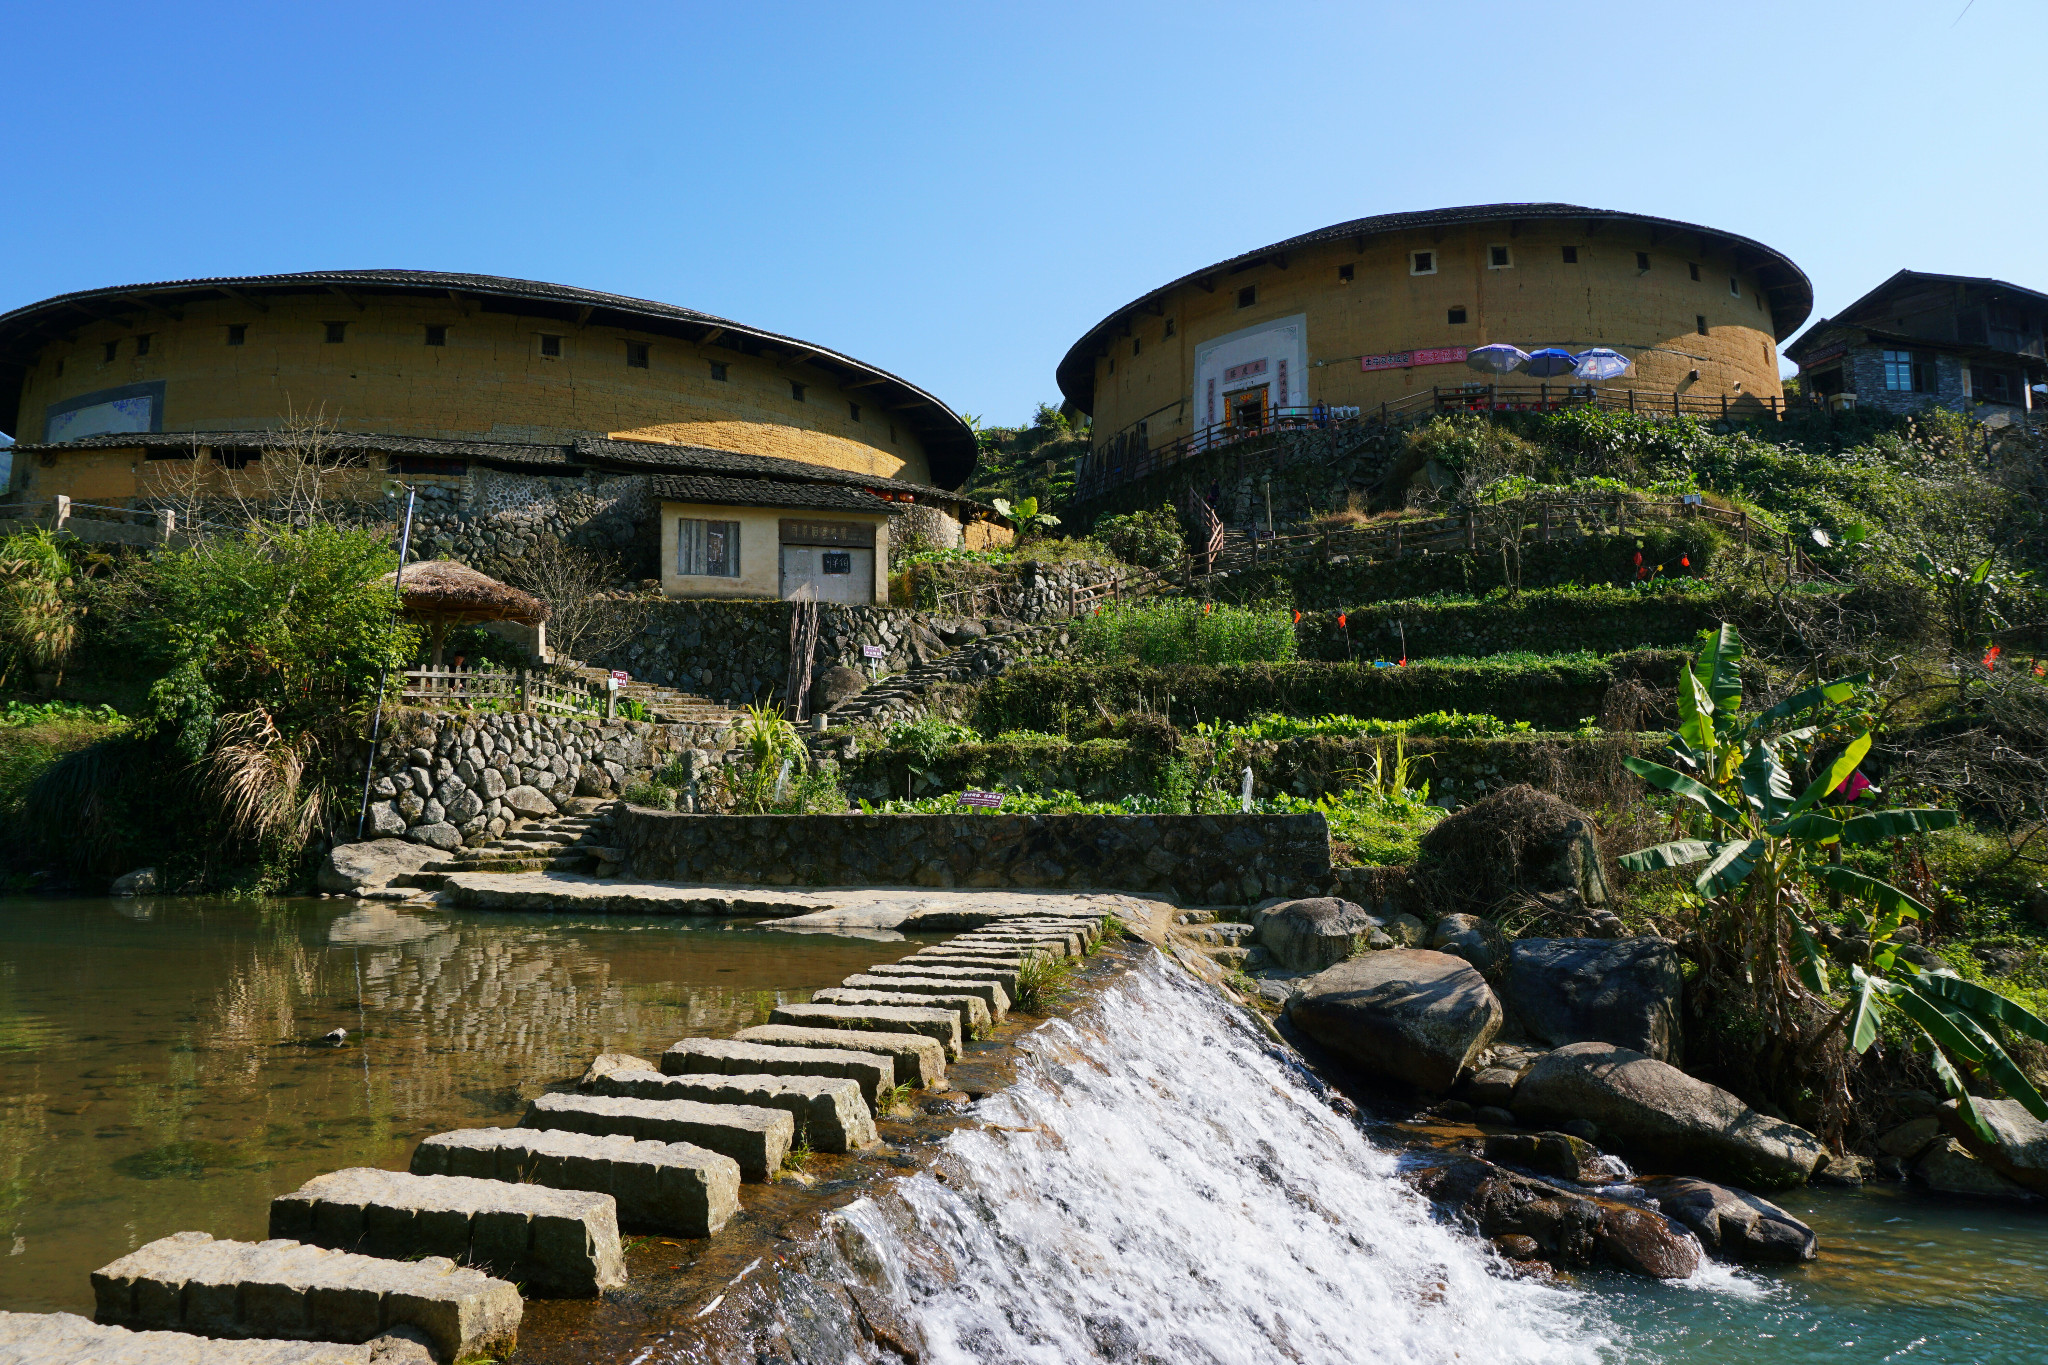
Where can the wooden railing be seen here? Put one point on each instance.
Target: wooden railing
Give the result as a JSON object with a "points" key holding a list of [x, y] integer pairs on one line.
{"points": [[530, 691]]}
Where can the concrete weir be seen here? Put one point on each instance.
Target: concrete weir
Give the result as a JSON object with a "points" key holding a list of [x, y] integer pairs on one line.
{"points": [[830, 1114], [191, 1283], [872, 1072], [756, 1138], [558, 1243], [940, 1025], [920, 1061], [67, 1339], [989, 992], [675, 1188]]}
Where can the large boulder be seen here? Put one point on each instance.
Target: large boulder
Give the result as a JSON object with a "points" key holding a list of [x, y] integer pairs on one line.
{"points": [[1405, 1014], [1309, 935], [1569, 1229], [1518, 840], [352, 869], [143, 881], [1596, 990], [2021, 1152], [1733, 1225], [1948, 1168], [836, 685], [1662, 1117]]}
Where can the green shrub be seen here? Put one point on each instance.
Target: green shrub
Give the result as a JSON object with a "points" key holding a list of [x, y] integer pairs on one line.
{"points": [[1150, 540], [1273, 725], [1186, 632]]}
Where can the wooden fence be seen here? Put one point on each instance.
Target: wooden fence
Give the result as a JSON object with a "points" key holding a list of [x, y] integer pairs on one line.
{"points": [[526, 689]]}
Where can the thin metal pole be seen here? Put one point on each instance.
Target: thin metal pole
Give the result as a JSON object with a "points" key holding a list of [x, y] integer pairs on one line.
{"points": [[377, 719]]}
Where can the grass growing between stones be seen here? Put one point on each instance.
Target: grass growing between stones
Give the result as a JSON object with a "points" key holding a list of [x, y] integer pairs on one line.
{"points": [[795, 1161], [893, 1099], [1113, 929], [1043, 982]]}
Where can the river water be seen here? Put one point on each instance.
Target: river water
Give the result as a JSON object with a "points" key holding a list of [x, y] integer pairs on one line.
{"points": [[1160, 1185]]}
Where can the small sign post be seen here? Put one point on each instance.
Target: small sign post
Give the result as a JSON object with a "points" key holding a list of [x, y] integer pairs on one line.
{"points": [[873, 656], [988, 800], [612, 683]]}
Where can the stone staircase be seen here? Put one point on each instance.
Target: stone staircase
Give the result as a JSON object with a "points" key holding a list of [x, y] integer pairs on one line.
{"points": [[433, 1264], [896, 698], [664, 704], [577, 840]]}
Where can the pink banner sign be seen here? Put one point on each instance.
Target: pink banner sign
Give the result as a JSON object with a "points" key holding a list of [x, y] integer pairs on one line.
{"points": [[1244, 371], [1401, 360]]}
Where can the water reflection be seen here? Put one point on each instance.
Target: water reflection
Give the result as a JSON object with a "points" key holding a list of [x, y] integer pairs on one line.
{"points": [[160, 1067]]}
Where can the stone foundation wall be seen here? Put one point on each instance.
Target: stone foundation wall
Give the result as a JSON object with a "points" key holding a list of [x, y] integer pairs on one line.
{"points": [[491, 520], [448, 779], [1206, 859]]}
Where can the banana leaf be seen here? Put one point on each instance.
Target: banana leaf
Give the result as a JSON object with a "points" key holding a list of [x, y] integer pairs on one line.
{"points": [[1837, 773], [1864, 1019], [1813, 963], [1679, 853], [1671, 780], [1719, 666], [1987, 1003], [1766, 783], [1893, 905], [1732, 863], [1821, 694], [1879, 825]]}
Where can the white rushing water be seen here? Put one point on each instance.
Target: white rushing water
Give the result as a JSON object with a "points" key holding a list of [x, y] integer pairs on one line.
{"points": [[1161, 1186]]}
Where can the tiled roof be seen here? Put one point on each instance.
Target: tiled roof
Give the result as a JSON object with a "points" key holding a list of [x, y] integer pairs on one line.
{"points": [[504, 452], [767, 493], [657, 455]]}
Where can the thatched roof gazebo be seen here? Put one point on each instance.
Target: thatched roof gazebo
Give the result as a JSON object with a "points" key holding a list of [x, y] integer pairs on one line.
{"points": [[442, 593]]}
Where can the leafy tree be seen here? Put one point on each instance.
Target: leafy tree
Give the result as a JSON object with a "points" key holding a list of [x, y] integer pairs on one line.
{"points": [[1765, 846], [1150, 540]]}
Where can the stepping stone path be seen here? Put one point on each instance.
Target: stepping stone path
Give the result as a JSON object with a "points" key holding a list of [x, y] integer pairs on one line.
{"points": [[367, 1266], [560, 1243]]}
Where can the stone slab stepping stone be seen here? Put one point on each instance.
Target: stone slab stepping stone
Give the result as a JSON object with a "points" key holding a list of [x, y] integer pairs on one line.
{"points": [[190, 1282], [942, 1025], [557, 1243], [972, 1009], [756, 1138], [1059, 945], [1002, 978], [67, 1339], [970, 957], [872, 1072], [920, 1061], [676, 1188], [989, 992], [1089, 930], [830, 1114]]}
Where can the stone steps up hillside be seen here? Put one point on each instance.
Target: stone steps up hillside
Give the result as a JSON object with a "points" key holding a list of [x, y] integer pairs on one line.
{"points": [[666, 704], [575, 842], [896, 699]]}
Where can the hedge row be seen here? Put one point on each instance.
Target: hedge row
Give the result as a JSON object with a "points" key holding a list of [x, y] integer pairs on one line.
{"points": [[1552, 693], [1602, 619]]}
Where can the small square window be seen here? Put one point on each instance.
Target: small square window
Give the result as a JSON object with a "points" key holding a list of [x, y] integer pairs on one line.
{"points": [[1137, 345], [1700, 321], [142, 344], [1456, 317], [836, 561], [853, 411], [1734, 287], [437, 336], [335, 330], [1112, 364], [109, 351], [796, 391], [1497, 258], [1422, 263], [1693, 268], [238, 333], [1571, 255], [550, 345], [1169, 327], [636, 354], [1642, 260], [1247, 296], [892, 431], [718, 370], [1346, 273]]}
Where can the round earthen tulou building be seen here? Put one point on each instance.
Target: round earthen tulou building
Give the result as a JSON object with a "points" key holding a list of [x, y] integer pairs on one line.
{"points": [[751, 463], [1384, 310]]}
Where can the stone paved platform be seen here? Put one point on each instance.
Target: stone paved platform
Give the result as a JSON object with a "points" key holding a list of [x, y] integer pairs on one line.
{"points": [[675, 1188], [67, 1339]]}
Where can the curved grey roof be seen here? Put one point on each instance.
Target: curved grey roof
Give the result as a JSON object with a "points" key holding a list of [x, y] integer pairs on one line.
{"points": [[1789, 291], [948, 441]]}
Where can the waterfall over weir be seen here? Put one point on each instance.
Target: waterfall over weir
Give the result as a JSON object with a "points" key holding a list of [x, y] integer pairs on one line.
{"points": [[1162, 1186]]}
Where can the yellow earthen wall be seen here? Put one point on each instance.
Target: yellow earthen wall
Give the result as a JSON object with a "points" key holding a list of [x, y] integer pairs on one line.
{"points": [[760, 549], [1603, 300], [490, 381]]}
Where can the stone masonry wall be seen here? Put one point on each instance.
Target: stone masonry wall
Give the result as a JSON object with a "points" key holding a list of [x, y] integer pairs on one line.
{"points": [[448, 779], [491, 520], [1210, 859]]}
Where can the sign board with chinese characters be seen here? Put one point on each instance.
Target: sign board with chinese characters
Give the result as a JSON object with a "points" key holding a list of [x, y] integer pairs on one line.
{"points": [[873, 652], [860, 535], [1402, 360], [988, 799]]}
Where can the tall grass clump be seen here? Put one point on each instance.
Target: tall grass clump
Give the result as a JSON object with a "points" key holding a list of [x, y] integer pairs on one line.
{"points": [[1185, 632]]}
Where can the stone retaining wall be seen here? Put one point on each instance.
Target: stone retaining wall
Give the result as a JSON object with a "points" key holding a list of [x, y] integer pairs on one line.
{"points": [[491, 519], [1209, 859], [448, 779]]}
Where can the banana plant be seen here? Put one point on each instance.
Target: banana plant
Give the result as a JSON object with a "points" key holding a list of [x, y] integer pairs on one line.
{"points": [[1767, 844], [1025, 516]]}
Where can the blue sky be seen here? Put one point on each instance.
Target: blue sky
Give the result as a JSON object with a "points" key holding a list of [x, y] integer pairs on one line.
{"points": [[956, 192]]}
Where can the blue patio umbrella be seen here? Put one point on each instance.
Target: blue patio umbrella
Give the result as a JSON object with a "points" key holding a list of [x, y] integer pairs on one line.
{"points": [[1550, 362], [1499, 358], [1600, 363]]}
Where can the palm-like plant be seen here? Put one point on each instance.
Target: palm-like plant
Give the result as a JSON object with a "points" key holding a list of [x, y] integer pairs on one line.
{"points": [[773, 749], [1025, 516], [1765, 846]]}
